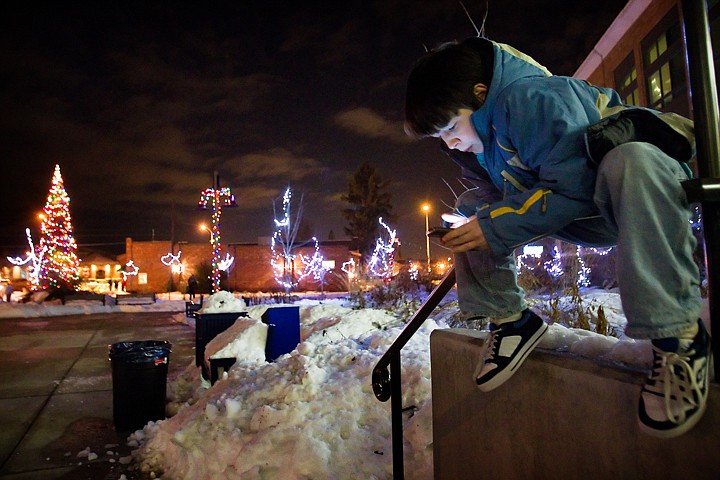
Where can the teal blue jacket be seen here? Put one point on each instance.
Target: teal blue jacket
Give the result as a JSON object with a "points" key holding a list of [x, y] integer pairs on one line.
{"points": [[534, 131]]}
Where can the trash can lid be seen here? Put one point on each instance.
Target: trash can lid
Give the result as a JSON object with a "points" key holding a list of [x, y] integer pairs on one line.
{"points": [[139, 351]]}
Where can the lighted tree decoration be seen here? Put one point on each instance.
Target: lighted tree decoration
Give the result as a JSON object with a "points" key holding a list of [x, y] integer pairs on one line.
{"points": [[350, 268], [283, 242], [33, 257], [215, 198], [174, 262], [59, 265], [225, 264], [381, 262], [130, 270], [315, 266], [564, 267]]}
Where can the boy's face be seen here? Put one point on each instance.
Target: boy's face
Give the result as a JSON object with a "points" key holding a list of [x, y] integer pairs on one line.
{"points": [[459, 133]]}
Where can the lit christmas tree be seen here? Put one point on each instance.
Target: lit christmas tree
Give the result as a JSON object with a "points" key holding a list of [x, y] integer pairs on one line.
{"points": [[59, 264]]}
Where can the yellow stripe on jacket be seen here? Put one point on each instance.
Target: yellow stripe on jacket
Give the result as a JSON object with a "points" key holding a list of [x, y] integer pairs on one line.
{"points": [[534, 198]]}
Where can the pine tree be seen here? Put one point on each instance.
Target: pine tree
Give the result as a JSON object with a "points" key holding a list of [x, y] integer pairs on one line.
{"points": [[368, 202], [59, 264]]}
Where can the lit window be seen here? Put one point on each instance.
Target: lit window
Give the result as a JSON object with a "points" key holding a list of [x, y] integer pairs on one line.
{"points": [[654, 91], [664, 67], [626, 81]]}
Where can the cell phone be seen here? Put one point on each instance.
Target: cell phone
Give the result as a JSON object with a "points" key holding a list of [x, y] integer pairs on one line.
{"points": [[437, 232]]}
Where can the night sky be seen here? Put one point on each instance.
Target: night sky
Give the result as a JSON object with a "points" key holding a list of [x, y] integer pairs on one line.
{"points": [[140, 102]]}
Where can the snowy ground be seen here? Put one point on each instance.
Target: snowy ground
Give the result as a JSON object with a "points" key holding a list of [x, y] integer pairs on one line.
{"points": [[312, 412]]}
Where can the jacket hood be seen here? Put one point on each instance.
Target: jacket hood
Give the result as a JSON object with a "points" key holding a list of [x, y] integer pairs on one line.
{"points": [[510, 65]]}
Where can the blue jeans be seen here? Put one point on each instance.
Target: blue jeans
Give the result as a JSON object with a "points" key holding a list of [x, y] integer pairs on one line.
{"points": [[644, 211]]}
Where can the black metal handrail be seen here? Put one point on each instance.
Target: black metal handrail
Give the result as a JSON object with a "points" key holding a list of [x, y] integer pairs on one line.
{"points": [[387, 384], [705, 189]]}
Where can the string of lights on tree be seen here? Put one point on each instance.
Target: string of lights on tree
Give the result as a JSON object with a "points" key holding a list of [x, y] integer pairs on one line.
{"points": [[349, 268], [314, 266], [283, 241], [215, 198], [33, 258], [59, 264], [414, 270], [530, 260], [381, 262]]}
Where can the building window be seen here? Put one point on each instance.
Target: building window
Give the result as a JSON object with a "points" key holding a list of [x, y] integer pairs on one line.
{"points": [[626, 81], [665, 66]]}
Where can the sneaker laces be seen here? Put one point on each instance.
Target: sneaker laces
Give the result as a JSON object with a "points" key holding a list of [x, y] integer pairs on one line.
{"points": [[490, 352], [678, 380]]}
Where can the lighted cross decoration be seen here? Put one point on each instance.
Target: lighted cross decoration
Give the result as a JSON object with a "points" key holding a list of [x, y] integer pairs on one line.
{"points": [[215, 198]]}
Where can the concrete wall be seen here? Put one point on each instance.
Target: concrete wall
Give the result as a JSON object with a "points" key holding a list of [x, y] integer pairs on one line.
{"points": [[558, 417]]}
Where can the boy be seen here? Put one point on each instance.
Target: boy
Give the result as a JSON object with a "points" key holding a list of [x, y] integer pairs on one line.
{"points": [[555, 156]]}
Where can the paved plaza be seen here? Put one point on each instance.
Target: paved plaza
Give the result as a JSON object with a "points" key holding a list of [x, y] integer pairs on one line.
{"points": [[56, 391]]}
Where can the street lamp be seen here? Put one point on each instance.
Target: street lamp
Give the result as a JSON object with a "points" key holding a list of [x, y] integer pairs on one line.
{"points": [[426, 209]]}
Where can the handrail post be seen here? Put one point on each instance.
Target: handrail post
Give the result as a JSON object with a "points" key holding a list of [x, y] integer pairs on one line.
{"points": [[705, 112], [396, 415], [387, 385]]}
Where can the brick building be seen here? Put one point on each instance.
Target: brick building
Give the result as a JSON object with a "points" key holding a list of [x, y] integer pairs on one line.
{"points": [[643, 55], [251, 270]]}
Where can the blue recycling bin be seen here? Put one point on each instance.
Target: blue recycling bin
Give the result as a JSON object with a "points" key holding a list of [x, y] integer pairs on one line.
{"points": [[283, 331], [139, 377]]}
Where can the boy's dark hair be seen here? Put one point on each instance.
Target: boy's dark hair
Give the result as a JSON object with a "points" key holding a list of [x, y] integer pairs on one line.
{"points": [[441, 83]]}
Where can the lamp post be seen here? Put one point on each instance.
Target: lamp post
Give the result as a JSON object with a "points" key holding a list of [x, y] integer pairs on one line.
{"points": [[426, 209], [204, 228]]}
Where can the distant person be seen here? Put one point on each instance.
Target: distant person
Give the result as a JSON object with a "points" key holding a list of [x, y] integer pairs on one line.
{"points": [[192, 286], [8, 292], [554, 156]]}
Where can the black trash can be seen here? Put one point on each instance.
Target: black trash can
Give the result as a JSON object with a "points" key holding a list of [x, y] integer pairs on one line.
{"points": [[139, 377]]}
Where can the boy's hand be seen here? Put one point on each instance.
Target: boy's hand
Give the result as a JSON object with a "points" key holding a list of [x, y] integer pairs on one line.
{"points": [[466, 237]]}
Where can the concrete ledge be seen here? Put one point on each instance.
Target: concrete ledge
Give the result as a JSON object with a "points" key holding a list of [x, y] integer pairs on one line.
{"points": [[559, 416]]}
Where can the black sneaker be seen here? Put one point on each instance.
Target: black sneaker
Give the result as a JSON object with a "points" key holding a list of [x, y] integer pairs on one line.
{"points": [[508, 346], [675, 393]]}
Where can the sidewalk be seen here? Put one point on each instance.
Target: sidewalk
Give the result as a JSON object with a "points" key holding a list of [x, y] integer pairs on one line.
{"points": [[56, 391]]}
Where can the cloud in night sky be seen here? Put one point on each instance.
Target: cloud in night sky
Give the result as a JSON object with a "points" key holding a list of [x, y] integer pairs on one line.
{"points": [[141, 103]]}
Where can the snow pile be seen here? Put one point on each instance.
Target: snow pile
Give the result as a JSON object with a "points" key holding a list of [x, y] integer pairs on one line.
{"points": [[244, 341], [223, 302], [593, 345], [309, 414], [312, 413], [616, 347]]}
